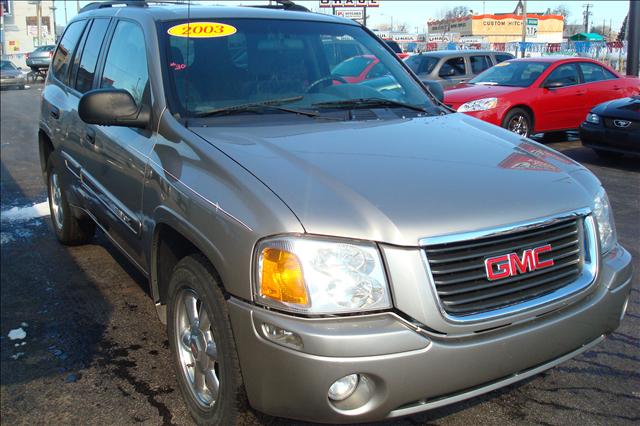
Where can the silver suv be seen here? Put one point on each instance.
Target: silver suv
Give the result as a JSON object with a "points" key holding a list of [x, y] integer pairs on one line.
{"points": [[319, 249]]}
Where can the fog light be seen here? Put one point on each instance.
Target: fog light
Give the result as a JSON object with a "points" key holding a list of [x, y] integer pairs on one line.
{"points": [[343, 388], [282, 337]]}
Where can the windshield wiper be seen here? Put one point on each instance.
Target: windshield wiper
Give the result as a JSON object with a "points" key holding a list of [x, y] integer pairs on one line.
{"points": [[368, 103], [486, 83], [258, 106]]}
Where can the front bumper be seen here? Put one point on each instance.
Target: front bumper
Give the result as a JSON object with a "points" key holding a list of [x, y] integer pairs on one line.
{"points": [[408, 369], [12, 82], [493, 116], [600, 137]]}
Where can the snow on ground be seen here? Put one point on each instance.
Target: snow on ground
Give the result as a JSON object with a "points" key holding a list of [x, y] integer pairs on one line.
{"points": [[17, 334], [25, 213]]}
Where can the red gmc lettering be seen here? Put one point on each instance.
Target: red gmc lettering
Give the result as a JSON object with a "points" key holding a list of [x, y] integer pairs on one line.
{"points": [[511, 264]]}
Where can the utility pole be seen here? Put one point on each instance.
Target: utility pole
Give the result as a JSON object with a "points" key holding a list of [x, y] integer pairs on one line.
{"points": [[78, 5], [66, 19], [53, 11], [39, 22], [633, 34], [587, 13], [524, 26]]}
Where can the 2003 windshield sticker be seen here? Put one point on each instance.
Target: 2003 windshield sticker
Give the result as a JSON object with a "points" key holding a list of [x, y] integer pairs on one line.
{"points": [[202, 30]]}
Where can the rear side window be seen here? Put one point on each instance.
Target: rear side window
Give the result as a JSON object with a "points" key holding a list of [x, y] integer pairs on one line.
{"points": [[480, 63], [503, 57], [594, 72], [126, 63], [87, 69], [453, 67], [68, 43]]}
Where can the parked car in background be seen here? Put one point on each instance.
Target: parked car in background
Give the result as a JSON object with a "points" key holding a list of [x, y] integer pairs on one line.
{"points": [[537, 95], [613, 127], [359, 68], [452, 67], [41, 57], [11, 75], [396, 48]]}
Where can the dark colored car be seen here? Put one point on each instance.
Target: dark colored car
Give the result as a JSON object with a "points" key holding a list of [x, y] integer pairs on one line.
{"points": [[452, 67], [11, 75], [318, 249], [613, 127], [41, 57]]}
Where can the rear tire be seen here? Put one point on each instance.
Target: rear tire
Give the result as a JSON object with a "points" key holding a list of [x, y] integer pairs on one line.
{"points": [[202, 344], [69, 229], [518, 121]]}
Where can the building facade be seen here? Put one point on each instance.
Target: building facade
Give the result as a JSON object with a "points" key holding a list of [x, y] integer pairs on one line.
{"points": [[500, 28], [19, 30]]}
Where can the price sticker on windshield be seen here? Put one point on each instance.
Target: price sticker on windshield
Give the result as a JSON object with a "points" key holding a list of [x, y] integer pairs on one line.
{"points": [[202, 30]]}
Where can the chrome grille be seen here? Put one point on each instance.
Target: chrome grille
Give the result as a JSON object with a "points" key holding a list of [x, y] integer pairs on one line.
{"points": [[460, 279]]}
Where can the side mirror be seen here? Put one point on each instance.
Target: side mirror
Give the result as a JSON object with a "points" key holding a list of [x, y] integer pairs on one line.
{"points": [[435, 88], [112, 107], [553, 84]]}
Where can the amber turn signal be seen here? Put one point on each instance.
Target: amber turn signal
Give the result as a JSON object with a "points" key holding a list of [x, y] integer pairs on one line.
{"points": [[281, 277]]}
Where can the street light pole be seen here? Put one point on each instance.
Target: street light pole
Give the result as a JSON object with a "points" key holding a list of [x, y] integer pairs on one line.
{"points": [[39, 22], [524, 26], [633, 34]]}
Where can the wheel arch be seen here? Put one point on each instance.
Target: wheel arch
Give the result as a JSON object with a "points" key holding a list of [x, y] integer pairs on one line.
{"points": [[525, 107], [45, 148], [173, 239]]}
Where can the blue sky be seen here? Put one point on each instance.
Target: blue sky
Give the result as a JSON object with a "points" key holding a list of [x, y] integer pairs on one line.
{"points": [[416, 13]]}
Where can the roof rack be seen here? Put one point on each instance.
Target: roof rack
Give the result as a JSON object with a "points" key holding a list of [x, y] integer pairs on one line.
{"points": [[129, 3], [285, 5]]}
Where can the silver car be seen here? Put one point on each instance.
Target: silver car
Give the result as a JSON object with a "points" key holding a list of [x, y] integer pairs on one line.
{"points": [[11, 75], [451, 67], [41, 57], [319, 249]]}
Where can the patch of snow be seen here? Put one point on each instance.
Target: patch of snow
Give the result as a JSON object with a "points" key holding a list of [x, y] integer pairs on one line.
{"points": [[25, 213], [18, 355], [17, 334], [5, 238], [24, 324]]}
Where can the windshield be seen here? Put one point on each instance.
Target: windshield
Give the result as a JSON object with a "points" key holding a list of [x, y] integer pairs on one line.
{"points": [[234, 62], [6, 66], [511, 73], [421, 64], [353, 66]]}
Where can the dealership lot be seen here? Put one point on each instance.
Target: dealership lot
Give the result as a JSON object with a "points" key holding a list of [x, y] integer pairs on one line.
{"points": [[95, 352]]}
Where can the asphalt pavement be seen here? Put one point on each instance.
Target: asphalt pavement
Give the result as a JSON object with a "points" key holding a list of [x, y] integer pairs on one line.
{"points": [[81, 344]]}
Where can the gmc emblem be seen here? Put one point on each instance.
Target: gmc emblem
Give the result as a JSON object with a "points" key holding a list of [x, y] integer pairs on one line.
{"points": [[511, 264]]}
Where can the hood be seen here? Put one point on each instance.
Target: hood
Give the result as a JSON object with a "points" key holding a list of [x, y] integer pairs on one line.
{"points": [[624, 108], [10, 73], [397, 181], [470, 92]]}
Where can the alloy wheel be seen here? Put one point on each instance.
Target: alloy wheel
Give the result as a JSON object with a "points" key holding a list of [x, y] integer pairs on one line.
{"points": [[55, 193], [197, 348], [519, 125]]}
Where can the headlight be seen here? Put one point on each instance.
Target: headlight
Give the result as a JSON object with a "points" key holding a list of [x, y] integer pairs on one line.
{"points": [[320, 276], [592, 118], [604, 218], [479, 105]]}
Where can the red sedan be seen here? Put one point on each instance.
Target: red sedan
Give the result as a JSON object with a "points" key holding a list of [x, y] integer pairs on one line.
{"points": [[359, 68], [537, 95]]}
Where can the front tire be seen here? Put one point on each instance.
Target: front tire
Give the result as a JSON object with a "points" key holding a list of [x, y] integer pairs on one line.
{"points": [[69, 229], [518, 121], [202, 344]]}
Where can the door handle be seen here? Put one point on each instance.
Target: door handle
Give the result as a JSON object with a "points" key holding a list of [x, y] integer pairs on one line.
{"points": [[55, 112], [90, 136]]}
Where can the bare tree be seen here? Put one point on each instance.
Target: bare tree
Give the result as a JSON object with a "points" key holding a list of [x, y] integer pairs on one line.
{"points": [[563, 10], [455, 12], [402, 26]]}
